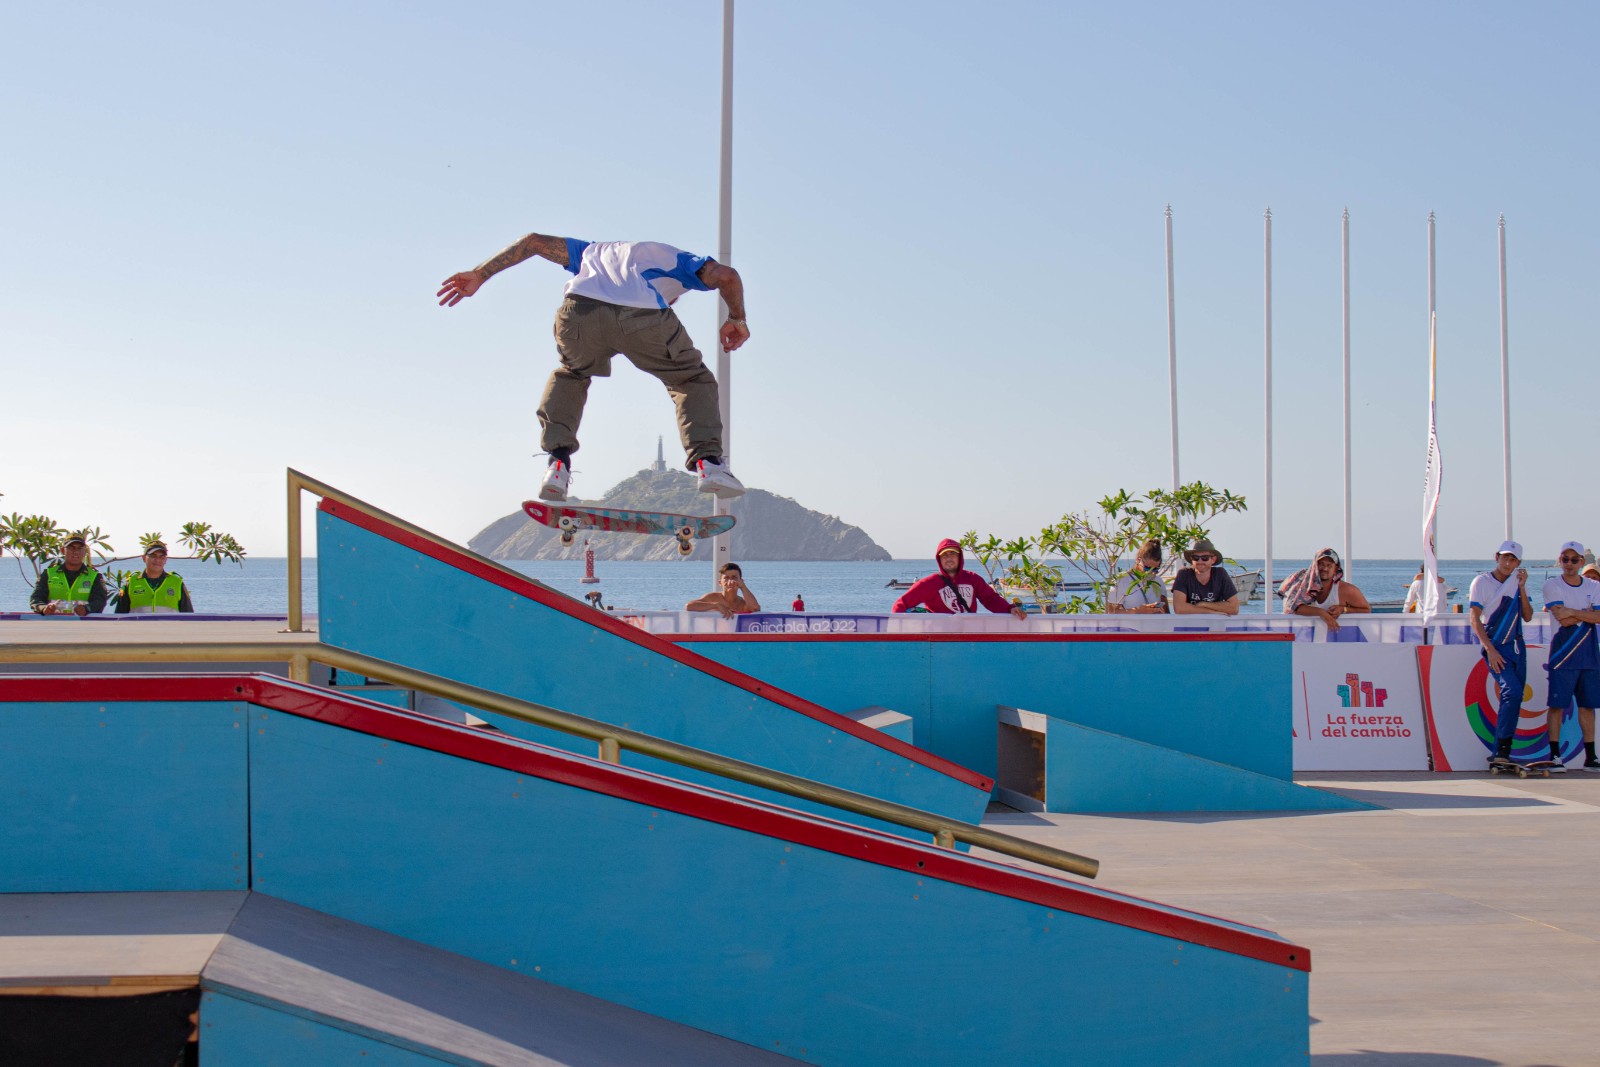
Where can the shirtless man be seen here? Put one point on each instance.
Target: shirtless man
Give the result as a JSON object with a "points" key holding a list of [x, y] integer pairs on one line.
{"points": [[733, 598]]}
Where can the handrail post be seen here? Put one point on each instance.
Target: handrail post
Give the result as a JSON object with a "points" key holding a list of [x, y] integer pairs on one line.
{"points": [[296, 616], [610, 750], [945, 837]]}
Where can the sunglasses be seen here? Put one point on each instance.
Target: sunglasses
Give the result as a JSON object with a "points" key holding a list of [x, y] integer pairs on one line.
{"points": [[1571, 559], [1203, 558]]}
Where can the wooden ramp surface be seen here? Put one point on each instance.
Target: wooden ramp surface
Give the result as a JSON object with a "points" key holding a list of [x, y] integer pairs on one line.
{"points": [[432, 1002], [109, 943]]}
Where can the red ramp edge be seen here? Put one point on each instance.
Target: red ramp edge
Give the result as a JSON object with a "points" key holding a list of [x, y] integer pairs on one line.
{"points": [[642, 787], [479, 567]]}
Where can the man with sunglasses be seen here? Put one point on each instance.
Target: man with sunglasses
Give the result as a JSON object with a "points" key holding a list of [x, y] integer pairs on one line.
{"points": [[154, 590], [1204, 587], [1574, 664], [1498, 605]]}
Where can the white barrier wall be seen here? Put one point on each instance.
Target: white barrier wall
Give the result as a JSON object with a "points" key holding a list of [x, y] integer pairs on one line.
{"points": [[1381, 693]]}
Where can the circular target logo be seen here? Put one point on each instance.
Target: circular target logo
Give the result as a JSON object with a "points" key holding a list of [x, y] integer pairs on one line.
{"points": [[1481, 701]]}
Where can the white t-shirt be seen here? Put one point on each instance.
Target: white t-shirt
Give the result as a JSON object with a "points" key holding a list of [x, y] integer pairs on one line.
{"points": [[635, 274], [1582, 597], [1129, 593], [1414, 597], [1487, 592]]}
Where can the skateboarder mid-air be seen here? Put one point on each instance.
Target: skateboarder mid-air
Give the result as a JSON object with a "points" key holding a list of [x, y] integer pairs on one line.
{"points": [[619, 302]]}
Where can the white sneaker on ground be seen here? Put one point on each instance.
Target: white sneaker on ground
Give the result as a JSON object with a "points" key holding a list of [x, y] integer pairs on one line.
{"points": [[556, 478], [717, 478]]}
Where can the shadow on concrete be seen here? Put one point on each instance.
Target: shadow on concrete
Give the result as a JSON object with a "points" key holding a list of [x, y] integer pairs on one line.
{"points": [[1372, 1058], [1388, 798]]}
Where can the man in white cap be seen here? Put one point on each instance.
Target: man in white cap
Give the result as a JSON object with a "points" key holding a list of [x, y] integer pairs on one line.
{"points": [[1574, 664], [1498, 606]]}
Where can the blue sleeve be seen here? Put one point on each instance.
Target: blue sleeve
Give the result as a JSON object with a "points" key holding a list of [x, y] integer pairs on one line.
{"points": [[687, 271], [575, 249]]}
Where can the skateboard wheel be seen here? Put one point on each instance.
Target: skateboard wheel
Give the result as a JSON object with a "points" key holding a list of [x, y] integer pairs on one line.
{"points": [[685, 533], [566, 538], [685, 547], [567, 522]]}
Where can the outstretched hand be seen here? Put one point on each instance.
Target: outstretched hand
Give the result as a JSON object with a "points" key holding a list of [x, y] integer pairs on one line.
{"points": [[732, 335], [459, 286]]}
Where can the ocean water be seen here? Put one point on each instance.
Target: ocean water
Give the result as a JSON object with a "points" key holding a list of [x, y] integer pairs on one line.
{"points": [[260, 586]]}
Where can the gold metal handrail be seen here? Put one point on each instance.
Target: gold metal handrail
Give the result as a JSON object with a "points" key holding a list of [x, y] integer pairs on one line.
{"points": [[305, 483], [611, 739]]}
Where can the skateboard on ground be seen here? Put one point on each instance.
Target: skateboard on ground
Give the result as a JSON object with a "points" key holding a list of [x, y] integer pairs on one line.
{"points": [[569, 519], [1536, 769]]}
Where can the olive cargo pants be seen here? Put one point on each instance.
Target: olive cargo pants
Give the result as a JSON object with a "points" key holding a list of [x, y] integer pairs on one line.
{"points": [[589, 333]]}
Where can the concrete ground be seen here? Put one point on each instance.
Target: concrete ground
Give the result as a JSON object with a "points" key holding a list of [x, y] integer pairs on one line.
{"points": [[1458, 927]]}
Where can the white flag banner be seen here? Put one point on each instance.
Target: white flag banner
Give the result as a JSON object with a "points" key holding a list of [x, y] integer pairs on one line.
{"points": [[1430, 490]]}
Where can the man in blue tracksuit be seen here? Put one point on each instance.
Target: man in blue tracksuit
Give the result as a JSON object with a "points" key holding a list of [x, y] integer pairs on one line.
{"points": [[1499, 605]]}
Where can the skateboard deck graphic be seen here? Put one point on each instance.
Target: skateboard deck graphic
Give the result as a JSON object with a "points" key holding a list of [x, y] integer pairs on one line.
{"points": [[570, 518]]}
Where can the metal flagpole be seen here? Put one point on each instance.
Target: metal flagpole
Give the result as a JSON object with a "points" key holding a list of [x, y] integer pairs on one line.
{"points": [[1505, 379], [1172, 354], [1267, 572], [1349, 566], [1433, 309], [719, 544]]}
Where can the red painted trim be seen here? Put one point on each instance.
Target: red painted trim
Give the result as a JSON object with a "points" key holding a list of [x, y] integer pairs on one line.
{"points": [[683, 639], [641, 787], [527, 587], [1441, 762]]}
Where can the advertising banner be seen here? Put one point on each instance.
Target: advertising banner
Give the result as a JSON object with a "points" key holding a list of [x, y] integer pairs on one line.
{"points": [[1461, 700], [779, 623], [1358, 708]]}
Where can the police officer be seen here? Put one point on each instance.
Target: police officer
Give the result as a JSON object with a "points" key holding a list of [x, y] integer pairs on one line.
{"points": [[70, 585], [154, 590]]}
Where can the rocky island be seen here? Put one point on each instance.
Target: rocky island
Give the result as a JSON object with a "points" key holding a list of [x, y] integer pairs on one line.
{"points": [[770, 527]]}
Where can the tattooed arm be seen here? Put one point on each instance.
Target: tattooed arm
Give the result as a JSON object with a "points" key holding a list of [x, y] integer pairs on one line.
{"points": [[726, 281], [459, 286]]}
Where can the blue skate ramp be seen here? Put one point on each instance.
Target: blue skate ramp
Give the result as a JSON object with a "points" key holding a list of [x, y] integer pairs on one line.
{"points": [[802, 936], [386, 592]]}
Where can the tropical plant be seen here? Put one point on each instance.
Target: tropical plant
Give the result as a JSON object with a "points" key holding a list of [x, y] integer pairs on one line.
{"points": [[38, 541], [1097, 541]]}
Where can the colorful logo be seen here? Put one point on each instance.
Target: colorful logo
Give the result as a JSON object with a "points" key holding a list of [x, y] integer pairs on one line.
{"points": [[1355, 693], [1482, 704]]}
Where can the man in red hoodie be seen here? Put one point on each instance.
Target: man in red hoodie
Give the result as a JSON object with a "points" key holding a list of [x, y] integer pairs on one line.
{"points": [[953, 590]]}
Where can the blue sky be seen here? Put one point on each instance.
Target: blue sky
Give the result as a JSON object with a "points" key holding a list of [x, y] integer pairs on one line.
{"points": [[223, 231]]}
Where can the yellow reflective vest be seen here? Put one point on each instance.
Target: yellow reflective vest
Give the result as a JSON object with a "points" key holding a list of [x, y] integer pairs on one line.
{"points": [[77, 590], [146, 600]]}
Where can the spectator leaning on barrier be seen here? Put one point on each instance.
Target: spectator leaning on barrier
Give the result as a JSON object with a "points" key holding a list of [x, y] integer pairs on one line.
{"points": [[799, 602], [1574, 663], [1498, 605], [154, 590], [70, 585], [1140, 591], [953, 590], [1204, 587], [732, 598], [1321, 590]]}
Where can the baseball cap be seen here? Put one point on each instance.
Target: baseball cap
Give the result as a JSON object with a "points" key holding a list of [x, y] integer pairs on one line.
{"points": [[1575, 546], [154, 546], [1513, 547], [75, 539]]}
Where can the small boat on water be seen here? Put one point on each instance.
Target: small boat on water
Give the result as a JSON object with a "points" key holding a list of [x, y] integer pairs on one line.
{"points": [[899, 583], [1248, 583]]}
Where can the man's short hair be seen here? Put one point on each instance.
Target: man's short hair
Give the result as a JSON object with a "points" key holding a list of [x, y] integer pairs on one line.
{"points": [[734, 567]]}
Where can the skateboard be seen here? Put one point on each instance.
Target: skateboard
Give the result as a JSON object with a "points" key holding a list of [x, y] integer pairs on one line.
{"points": [[569, 519], [1536, 769]]}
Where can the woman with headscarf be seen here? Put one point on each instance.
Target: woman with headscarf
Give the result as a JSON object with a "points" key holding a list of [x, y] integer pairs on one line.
{"points": [[1321, 590]]}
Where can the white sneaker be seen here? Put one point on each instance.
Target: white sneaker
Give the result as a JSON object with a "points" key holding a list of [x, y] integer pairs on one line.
{"points": [[717, 478], [556, 478]]}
